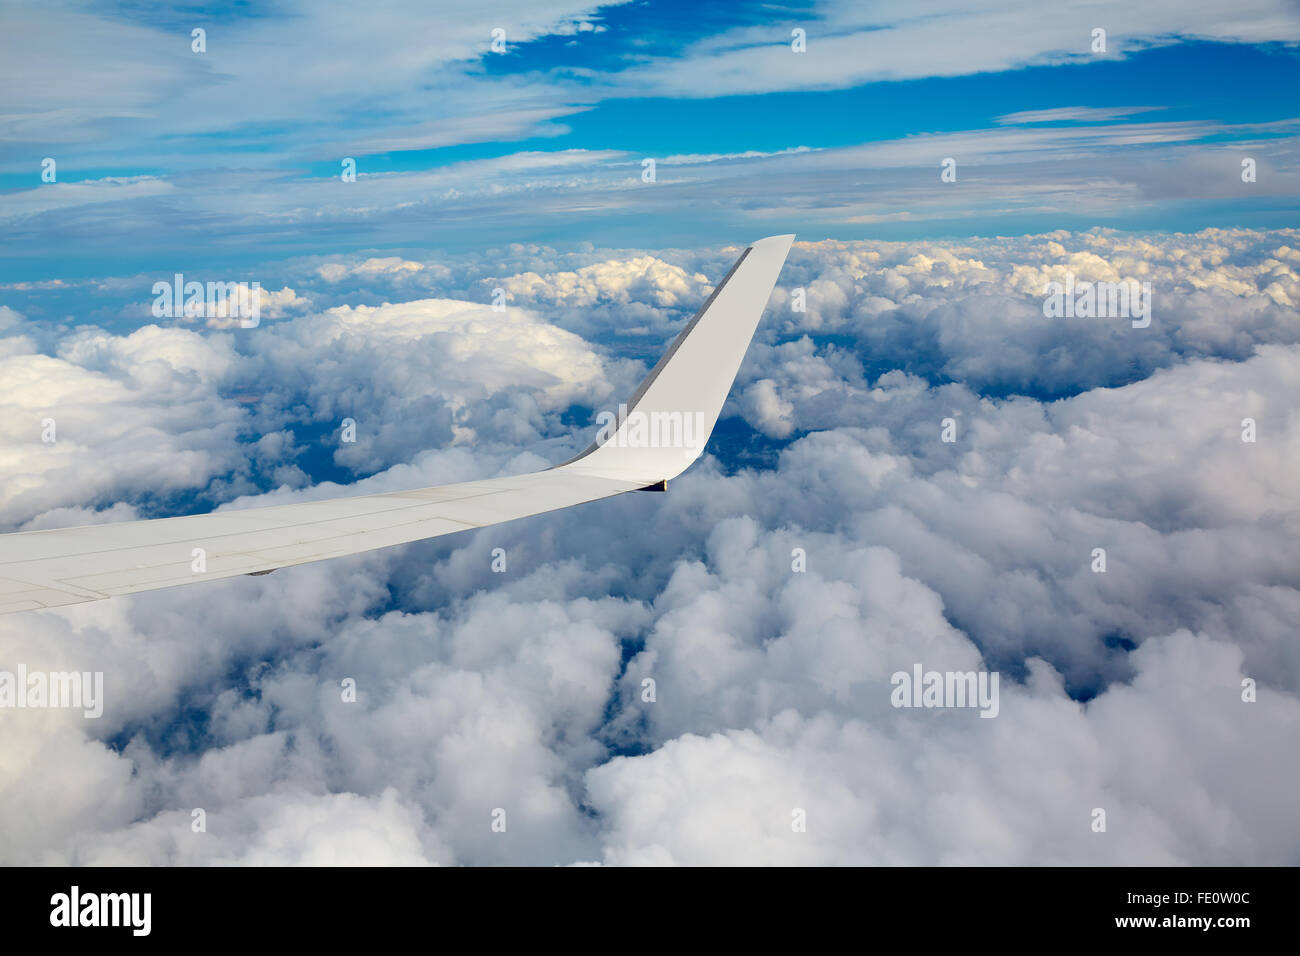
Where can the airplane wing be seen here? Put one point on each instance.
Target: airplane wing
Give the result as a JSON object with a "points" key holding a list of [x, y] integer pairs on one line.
{"points": [[655, 436]]}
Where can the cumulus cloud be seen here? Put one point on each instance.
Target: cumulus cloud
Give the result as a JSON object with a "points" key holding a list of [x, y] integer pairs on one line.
{"points": [[169, 413], [386, 266], [973, 312], [622, 281]]}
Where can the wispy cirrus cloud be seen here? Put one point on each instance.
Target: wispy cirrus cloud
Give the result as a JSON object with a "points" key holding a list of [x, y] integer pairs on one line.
{"points": [[851, 44], [1073, 114], [1113, 172]]}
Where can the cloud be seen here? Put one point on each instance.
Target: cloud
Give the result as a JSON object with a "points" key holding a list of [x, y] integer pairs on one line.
{"points": [[1073, 114], [1100, 172], [1020, 789], [149, 85], [525, 691], [387, 267], [644, 279], [63, 195], [168, 411], [696, 158], [126, 415], [849, 45], [973, 312]]}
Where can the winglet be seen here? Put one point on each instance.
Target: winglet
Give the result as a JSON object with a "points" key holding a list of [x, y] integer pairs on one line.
{"points": [[40, 569], [664, 426]]}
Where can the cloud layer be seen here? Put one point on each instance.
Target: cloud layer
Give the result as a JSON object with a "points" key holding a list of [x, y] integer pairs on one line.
{"points": [[522, 696]]}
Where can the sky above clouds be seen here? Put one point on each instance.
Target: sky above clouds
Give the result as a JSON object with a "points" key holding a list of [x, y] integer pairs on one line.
{"points": [[167, 158], [522, 172]]}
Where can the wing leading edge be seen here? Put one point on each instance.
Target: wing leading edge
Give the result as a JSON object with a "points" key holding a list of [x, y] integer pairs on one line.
{"points": [[680, 401]]}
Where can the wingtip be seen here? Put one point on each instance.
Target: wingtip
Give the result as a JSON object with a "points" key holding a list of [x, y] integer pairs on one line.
{"points": [[693, 378]]}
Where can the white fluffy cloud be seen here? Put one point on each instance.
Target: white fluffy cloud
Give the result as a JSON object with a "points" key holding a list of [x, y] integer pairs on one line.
{"points": [[169, 412]]}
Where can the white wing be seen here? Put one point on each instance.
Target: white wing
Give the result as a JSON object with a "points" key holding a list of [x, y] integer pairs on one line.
{"points": [[686, 390]]}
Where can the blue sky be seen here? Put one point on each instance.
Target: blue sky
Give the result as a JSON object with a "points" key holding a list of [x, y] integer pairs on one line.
{"points": [[230, 158]]}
